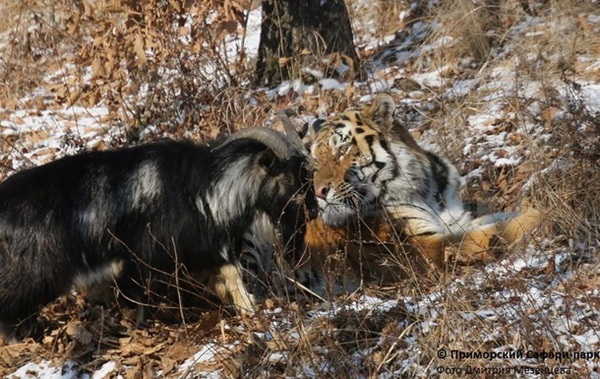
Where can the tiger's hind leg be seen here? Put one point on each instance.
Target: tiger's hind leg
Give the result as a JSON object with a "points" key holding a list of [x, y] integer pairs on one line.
{"points": [[433, 248], [515, 229], [481, 240], [489, 233]]}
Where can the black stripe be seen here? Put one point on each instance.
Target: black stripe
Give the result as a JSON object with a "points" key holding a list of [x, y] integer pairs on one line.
{"points": [[359, 120], [424, 234], [384, 144], [318, 125], [440, 175]]}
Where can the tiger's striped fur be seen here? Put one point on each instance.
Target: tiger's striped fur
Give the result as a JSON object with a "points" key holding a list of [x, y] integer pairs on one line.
{"points": [[368, 166], [265, 271]]}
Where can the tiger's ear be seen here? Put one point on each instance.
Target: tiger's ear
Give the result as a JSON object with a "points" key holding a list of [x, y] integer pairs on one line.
{"points": [[317, 125], [382, 110]]}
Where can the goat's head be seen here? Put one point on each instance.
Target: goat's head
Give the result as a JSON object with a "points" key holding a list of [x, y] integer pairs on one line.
{"points": [[287, 193]]}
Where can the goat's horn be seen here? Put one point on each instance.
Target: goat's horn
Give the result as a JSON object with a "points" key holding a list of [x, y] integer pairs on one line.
{"points": [[293, 136], [290, 131], [271, 138]]}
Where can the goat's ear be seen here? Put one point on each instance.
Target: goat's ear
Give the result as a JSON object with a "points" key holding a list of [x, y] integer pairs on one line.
{"points": [[268, 160]]}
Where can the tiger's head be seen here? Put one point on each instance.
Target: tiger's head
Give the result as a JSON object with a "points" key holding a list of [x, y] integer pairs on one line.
{"points": [[354, 160]]}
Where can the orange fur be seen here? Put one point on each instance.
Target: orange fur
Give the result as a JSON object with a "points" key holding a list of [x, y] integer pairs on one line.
{"points": [[374, 250]]}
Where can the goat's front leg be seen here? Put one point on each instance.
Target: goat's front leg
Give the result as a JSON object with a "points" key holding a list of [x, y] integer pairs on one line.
{"points": [[230, 287]]}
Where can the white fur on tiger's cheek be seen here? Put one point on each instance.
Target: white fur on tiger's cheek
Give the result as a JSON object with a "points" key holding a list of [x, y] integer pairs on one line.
{"points": [[337, 215], [333, 212], [322, 203]]}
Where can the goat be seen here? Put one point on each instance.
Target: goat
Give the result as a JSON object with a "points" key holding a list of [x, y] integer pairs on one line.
{"points": [[132, 214]]}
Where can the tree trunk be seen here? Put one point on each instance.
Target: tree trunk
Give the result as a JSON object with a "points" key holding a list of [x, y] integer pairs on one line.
{"points": [[297, 33]]}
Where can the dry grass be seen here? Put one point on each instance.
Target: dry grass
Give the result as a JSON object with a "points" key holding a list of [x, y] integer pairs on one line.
{"points": [[36, 45]]}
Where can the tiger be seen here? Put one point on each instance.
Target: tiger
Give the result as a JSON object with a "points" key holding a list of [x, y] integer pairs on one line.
{"points": [[372, 175]]}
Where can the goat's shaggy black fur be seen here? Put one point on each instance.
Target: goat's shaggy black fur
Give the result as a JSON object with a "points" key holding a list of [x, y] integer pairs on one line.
{"points": [[132, 213]]}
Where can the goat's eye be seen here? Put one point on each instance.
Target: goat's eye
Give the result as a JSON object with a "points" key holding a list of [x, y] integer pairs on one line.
{"points": [[286, 180]]}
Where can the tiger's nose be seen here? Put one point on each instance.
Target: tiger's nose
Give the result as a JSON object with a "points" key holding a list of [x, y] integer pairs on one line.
{"points": [[321, 191]]}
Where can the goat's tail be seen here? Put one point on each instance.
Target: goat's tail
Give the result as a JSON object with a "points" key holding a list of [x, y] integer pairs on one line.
{"points": [[484, 235]]}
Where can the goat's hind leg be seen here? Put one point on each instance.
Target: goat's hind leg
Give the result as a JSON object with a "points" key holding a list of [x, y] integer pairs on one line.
{"points": [[230, 287]]}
